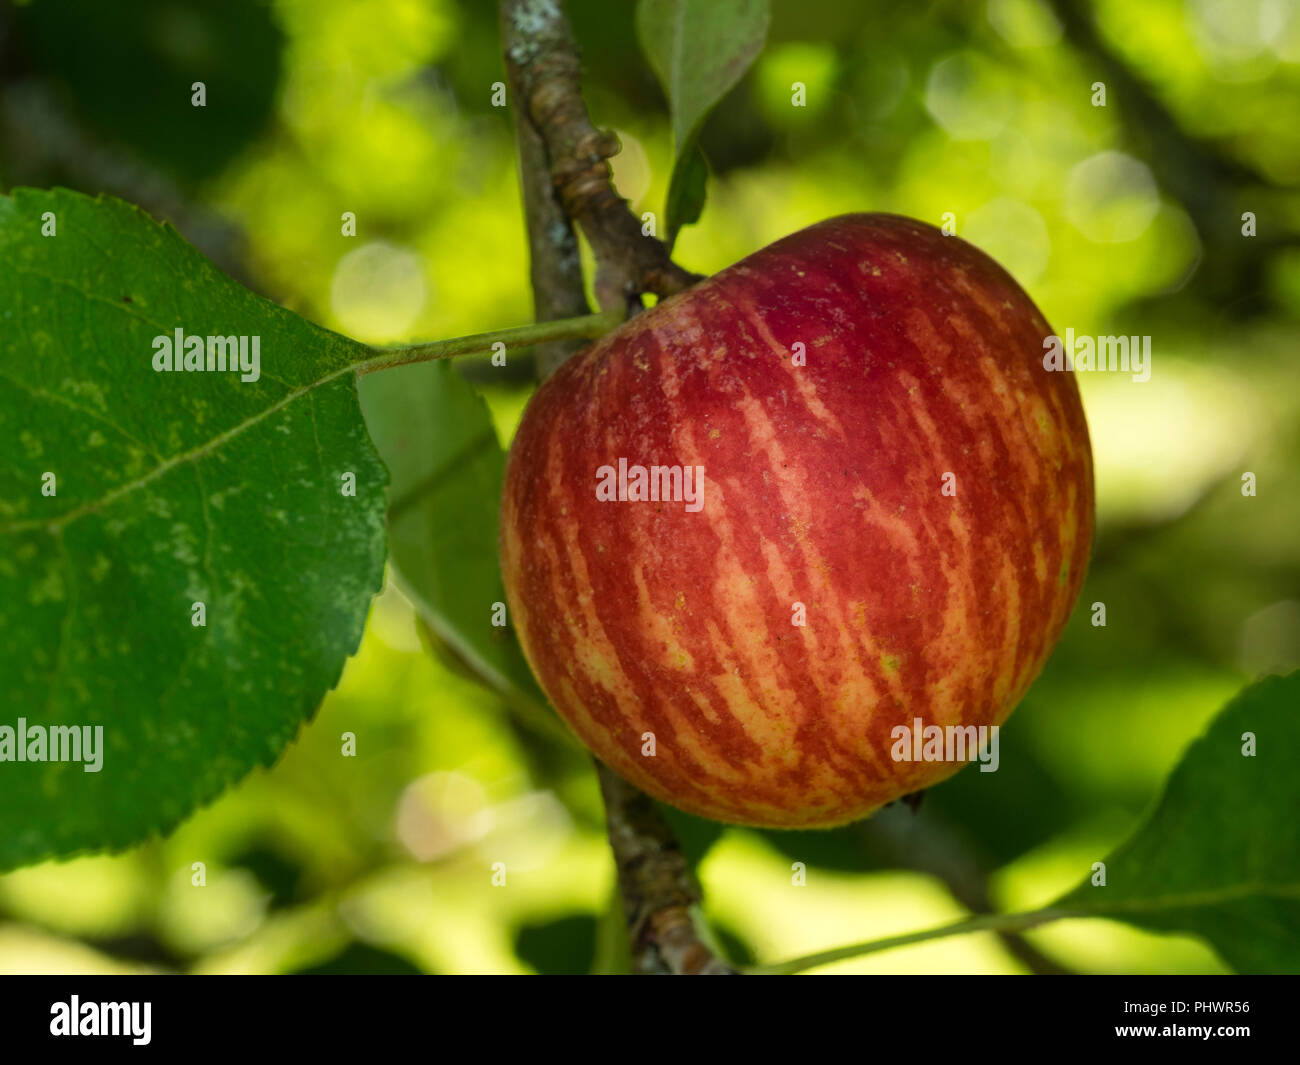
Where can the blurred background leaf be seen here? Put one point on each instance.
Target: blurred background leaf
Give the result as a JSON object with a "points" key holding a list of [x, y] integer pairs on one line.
{"points": [[361, 960], [127, 73], [437, 440]]}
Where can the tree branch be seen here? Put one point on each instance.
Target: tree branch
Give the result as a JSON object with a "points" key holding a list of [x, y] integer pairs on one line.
{"points": [[542, 58], [660, 895], [564, 175], [555, 267]]}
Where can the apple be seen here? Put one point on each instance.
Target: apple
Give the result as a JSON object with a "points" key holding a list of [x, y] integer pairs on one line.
{"points": [[824, 495]]}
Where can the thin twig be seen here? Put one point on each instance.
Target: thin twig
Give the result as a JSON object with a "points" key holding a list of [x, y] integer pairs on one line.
{"points": [[993, 922], [542, 58], [902, 839], [584, 328]]}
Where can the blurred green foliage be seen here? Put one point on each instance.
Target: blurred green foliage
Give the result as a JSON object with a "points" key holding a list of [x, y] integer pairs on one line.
{"points": [[1117, 219]]}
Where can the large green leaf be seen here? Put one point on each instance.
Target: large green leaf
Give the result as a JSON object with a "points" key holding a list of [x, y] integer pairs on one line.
{"points": [[172, 488], [1219, 856], [437, 439], [699, 49]]}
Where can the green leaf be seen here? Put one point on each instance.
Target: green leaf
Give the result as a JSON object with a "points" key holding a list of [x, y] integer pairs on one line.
{"points": [[437, 439], [686, 194], [171, 489], [1219, 856], [699, 50]]}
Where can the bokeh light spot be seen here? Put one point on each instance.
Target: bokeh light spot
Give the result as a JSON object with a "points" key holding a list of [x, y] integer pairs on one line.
{"points": [[1014, 234], [969, 97], [377, 291], [1111, 197]]}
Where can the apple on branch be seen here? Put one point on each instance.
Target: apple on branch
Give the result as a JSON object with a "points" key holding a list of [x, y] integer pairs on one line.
{"points": [[895, 511]]}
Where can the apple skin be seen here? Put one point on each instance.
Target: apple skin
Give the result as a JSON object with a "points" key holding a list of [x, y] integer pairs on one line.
{"points": [[822, 486]]}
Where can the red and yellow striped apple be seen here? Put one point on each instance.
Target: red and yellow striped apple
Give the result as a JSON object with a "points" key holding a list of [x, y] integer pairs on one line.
{"points": [[884, 458]]}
